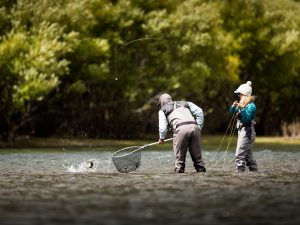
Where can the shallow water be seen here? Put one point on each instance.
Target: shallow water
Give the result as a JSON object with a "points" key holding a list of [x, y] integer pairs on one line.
{"points": [[58, 187]]}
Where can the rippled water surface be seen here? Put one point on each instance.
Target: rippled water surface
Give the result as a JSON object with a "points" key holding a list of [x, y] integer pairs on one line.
{"points": [[58, 187]]}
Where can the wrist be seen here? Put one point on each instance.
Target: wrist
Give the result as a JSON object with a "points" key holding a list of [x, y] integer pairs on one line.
{"points": [[161, 141]]}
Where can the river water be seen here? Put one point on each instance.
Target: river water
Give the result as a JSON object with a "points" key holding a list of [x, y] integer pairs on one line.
{"points": [[58, 187]]}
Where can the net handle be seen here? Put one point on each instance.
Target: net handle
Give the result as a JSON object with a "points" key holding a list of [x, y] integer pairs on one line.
{"points": [[155, 143]]}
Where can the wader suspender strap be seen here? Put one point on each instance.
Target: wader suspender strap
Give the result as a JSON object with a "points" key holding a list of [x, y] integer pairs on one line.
{"points": [[183, 123], [175, 104]]}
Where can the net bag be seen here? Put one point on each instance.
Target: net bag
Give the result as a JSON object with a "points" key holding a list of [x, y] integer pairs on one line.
{"points": [[127, 159]]}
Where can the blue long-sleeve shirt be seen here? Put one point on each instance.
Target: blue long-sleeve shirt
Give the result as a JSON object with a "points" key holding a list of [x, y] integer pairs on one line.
{"points": [[196, 111], [247, 114]]}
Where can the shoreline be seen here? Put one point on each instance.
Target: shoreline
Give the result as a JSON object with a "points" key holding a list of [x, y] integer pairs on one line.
{"points": [[78, 142]]}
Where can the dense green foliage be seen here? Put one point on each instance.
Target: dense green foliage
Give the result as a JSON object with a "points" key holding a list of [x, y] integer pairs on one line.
{"points": [[96, 67]]}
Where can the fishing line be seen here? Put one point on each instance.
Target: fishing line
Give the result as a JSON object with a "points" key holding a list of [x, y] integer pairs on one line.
{"points": [[231, 125], [229, 141], [136, 40], [228, 127], [222, 82], [126, 45], [214, 72], [232, 131]]}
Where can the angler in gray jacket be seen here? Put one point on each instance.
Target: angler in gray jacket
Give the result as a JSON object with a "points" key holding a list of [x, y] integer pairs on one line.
{"points": [[186, 120]]}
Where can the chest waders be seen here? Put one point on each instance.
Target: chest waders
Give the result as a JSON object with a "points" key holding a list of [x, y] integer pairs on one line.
{"points": [[244, 153], [186, 135]]}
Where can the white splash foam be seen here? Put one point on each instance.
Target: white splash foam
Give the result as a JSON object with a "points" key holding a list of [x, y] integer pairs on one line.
{"points": [[90, 165]]}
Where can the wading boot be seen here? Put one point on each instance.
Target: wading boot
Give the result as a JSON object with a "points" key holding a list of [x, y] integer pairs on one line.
{"points": [[252, 168], [177, 170], [240, 169], [200, 169]]}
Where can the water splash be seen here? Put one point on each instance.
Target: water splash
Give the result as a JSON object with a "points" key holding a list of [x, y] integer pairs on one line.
{"points": [[90, 165]]}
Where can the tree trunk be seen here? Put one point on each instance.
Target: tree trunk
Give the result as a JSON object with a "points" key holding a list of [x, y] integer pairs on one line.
{"points": [[291, 129]]}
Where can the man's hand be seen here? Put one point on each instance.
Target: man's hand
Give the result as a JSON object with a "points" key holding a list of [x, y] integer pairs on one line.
{"points": [[161, 141]]}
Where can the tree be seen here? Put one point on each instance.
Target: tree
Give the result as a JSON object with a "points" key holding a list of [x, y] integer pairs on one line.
{"points": [[31, 62], [265, 37]]}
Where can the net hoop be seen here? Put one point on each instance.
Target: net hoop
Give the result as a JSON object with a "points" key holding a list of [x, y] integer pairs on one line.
{"points": [[118, 155]]}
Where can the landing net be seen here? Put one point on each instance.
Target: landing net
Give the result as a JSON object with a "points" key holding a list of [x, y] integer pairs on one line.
{"points": [[127, 159]]}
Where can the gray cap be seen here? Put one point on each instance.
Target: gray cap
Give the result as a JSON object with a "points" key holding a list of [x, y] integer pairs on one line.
{"points": [[164, 98]]}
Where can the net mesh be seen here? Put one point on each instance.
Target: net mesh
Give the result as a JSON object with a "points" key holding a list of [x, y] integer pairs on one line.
{"points": [[127, 159]]}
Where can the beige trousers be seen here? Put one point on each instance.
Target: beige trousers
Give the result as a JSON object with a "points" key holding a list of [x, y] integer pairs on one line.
{"points": [[187, 137]]}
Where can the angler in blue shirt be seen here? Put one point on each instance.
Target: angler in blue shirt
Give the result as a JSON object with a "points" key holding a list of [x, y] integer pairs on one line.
{"points": [[245, 111]]}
